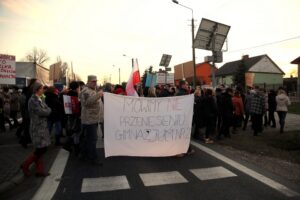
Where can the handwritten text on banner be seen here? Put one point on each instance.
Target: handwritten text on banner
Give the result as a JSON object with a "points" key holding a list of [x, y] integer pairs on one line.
{"points": [[138, 126]]}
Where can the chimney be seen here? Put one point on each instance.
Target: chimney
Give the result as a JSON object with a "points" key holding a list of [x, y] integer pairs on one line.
{"points": [[245, 57]]}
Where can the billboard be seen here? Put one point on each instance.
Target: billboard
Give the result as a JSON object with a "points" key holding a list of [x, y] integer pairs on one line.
{"points": [[7, 69]]}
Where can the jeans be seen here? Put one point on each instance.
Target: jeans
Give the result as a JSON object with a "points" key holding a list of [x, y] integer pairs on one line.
{"points": [[281, 115], [58, 127], [90, 141], [272, 118]]}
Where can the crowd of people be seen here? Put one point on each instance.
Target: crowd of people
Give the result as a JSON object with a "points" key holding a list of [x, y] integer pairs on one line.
{"points": [[217, 114]]}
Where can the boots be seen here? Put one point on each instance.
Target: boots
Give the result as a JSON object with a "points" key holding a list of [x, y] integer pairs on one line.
{"points": [[25, 165], [40, 168]]}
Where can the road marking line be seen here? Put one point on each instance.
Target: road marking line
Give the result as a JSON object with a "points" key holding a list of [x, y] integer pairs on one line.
{"points": [[271, 183], [102, 184], [50, 183], [162, 178], [212, 173]]}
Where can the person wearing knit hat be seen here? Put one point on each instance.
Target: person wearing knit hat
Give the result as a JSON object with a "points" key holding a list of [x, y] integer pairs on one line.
{"points": [[90, 117], [38, 113]]}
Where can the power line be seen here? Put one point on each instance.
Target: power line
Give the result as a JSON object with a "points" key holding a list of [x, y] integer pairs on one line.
{"points": [[266, 44]]}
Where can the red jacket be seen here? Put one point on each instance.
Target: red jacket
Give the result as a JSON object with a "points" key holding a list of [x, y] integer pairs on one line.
{"points": [[238, 105]]}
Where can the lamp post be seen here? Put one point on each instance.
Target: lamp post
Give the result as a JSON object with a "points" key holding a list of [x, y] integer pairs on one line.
{"points": [[119, 75], [193, 48]]}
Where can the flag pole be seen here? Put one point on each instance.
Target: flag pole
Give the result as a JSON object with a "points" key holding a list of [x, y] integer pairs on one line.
{"points": [[132, 63]]}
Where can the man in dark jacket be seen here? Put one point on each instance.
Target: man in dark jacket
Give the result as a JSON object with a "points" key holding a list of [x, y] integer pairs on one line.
{"points": [[183, 90], [226, 110], [55, 117], [272, 107]]}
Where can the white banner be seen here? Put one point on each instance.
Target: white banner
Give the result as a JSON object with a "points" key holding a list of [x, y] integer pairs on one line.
{"points": [[7, 69], [161, 78], [138, 126], [67, 104]]}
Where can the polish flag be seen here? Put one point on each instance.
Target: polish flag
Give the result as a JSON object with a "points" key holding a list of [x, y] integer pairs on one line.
{"points": [[134, 79]]}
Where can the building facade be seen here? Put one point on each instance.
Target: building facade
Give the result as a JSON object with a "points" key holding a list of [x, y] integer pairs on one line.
{"points": [[260, 70]]}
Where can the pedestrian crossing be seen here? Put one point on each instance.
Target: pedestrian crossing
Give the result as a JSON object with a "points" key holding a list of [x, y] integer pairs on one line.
{"points": [[104, 184]]}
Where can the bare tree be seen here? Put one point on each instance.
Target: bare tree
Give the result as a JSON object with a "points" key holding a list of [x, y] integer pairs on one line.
{"points": [[38, 56]]}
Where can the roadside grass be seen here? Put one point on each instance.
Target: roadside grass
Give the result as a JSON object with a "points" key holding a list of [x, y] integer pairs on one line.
{"points": [[294, 108], [284, 146]]}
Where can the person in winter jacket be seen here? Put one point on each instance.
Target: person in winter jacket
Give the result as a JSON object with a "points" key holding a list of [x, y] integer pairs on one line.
{"points": [[272, 108], [226, 109], [73, 125], [210, 113], [55, 118], [38, 112], [257, 111], [14, 105], [90, 116], [6, 106], [198, 117], [283, 101], [238, 115]]}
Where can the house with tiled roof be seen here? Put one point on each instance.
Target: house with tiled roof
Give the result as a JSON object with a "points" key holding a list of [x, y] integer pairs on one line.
{"points": [[260, 70]]}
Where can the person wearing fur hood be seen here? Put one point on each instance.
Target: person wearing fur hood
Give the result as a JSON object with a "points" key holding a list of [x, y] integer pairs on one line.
{"points": [[283, 101]]}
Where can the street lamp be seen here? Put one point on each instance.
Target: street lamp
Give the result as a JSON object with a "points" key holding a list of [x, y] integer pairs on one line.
{"points": [[193, 48], [119, 75]]}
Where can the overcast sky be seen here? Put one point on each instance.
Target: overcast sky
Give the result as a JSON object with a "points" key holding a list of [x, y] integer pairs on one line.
{"points": [[94, 34]]}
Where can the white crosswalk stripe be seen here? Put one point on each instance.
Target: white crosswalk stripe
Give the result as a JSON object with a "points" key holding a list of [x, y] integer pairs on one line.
{"points": [[162, 178], [104, 184], [212, 173]]}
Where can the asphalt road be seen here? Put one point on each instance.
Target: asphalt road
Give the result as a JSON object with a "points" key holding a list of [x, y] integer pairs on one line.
{"points": [[198, 176]]}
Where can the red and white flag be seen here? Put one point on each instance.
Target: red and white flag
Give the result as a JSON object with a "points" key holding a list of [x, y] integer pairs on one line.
{"points": [[134, 79]]}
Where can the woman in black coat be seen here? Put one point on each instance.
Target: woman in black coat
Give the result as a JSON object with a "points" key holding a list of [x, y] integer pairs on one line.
{"points": [[210, 113], [272, 107], [198, 117]]}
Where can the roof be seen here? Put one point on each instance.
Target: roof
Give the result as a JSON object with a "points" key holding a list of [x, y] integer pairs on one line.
{"points": [[296, 61], [231, 67]]}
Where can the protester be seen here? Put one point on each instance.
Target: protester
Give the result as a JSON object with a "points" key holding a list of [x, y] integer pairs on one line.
{"points": [[218, 100], [73, 125], [152, 92], [265, 94], [247, 106], [15, 106], [210, 113], [283, 101], [25, 138], [38, 112], [165, 91], [198, 115], [119, 90], [183, 90], [226, 108], [272, 108], [238, 115], [90, 115], [55, 118], [23, 109], [7, 106], [257, 111]]}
